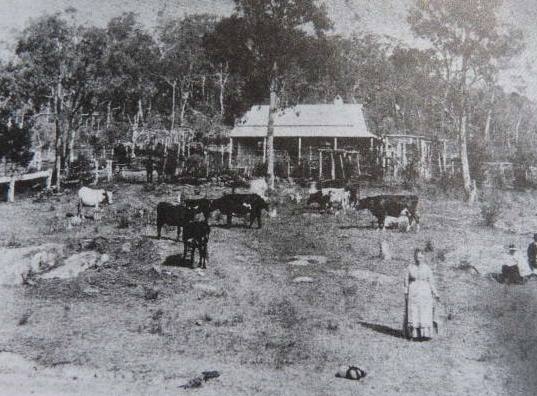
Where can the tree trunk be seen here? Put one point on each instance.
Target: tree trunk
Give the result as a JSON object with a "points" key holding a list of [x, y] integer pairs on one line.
{"points": [[469, 187], [489, 119], [71, 143], [174, 85], [58, 143], [108, 115], [222, 80], [185, 97], [517, 128], [140, 111], [270, 131]]}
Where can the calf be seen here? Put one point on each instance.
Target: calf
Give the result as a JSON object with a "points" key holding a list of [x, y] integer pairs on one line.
{"points": [[202, 205], [174, 215], [382, 206], [240, 204], [400, 223], [339, 196], [196, 234], [91, 197]]}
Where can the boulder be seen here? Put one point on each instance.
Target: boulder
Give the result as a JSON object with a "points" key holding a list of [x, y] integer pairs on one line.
{"points": [[303, 279], [73, 266], [16, 264]]}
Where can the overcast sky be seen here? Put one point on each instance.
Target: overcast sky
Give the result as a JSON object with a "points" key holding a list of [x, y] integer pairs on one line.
{"points": [[379, 16]]}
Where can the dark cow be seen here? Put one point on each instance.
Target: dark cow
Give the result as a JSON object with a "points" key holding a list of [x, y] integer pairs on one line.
{"points": [[196, 234], [382, 206], [202, 205], [319, 198], [174, 215], [240, 204]]}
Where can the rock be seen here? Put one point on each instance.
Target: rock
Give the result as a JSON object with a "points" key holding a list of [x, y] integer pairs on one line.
{"points": [[151, 293], [385, 253], [73, 266], [373, 277], [126, 247], [91, 290], [156, 270], [207, 289], [303, 279], [299, 263], [307, 260], [105, 258], [44, 260], [17, 264]]}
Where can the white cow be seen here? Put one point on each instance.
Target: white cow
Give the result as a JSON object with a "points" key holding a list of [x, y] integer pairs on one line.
{"points": [[338, 196], [402, 223], [90, 197], [259, 187]]}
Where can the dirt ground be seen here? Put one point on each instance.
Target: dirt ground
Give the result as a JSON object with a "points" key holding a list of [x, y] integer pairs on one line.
{"points": [[103, 332]]}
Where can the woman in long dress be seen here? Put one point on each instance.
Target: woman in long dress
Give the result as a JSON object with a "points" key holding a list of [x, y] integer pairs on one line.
{"points": [[420, 294]]}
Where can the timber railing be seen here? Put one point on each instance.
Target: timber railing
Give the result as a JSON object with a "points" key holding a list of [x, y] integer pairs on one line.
{"points": [[28, 176]]}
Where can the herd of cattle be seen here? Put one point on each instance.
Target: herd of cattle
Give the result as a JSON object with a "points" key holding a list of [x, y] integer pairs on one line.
{"points": [[389, 210]]}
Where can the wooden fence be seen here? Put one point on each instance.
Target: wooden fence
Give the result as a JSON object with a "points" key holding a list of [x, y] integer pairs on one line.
{"points": [[29, 176]]}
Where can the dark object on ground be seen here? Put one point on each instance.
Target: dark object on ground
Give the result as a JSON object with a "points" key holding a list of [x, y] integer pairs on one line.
{"points": [[150, 293], [351, 372], [173, 215], [196, 236], [382, 206], [240, 204], [202, 205], [207, 375], [319, 198], [198, 381], [511, 275], [24, 319]]}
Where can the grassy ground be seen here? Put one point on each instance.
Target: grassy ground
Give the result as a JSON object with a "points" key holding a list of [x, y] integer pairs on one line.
{"points": [[246, 317]]}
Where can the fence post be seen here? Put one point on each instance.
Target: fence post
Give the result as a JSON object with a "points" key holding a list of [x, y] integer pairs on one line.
{"points": [[11, 191], [109, 170], [96, 164], [49, 179]]}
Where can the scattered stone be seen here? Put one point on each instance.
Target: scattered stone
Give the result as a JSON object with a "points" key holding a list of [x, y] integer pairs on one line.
{"points": [[105, 258], [24, 319], [207, 289], [73, 266], [198, 381], [18, 264], [126, 247], [150, 293], [307, 260], [385, 253], [91, 290], [156, 270], [303, 279], [332, 326], [373, 277]]}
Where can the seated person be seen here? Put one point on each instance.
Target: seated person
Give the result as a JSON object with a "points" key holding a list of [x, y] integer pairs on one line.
{"points": [[518, 268]]}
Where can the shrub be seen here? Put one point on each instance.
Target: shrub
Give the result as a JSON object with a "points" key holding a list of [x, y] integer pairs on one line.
{"points": [[491, 209]]}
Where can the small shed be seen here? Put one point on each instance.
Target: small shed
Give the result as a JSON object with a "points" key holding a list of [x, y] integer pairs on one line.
{"points": [[301, 134]]}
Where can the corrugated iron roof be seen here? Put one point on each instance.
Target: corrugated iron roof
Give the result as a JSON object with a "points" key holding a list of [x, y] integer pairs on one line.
{"points": [[320, 120]]}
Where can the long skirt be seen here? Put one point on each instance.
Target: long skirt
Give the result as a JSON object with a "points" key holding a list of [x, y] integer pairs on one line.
{"points": [[419, 308]]}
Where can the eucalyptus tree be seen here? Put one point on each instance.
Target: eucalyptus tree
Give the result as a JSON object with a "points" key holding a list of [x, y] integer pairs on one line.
{"points": [[470, 44]]}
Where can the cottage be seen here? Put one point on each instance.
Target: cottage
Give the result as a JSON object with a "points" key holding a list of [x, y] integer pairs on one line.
{"points": [[301, 135]]}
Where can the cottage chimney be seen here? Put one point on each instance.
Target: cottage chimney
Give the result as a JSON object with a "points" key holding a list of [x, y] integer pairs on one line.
{"points": [[338, 100]]}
